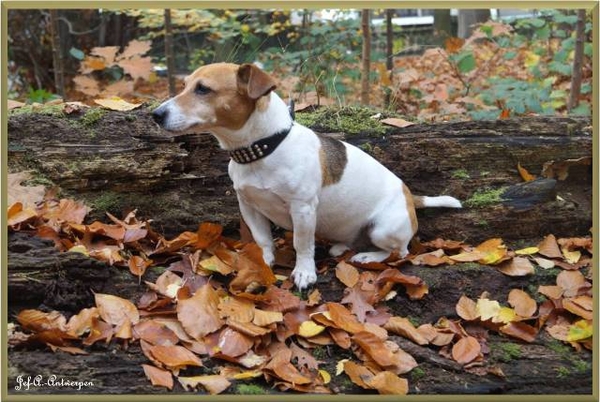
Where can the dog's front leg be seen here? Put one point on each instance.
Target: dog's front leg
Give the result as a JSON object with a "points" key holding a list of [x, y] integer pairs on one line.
{"points": [[260, 227], [304, 219]]}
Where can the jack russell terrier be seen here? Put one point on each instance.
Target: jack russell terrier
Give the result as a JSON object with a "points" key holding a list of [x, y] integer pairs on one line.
{"points": [[285, 173]]}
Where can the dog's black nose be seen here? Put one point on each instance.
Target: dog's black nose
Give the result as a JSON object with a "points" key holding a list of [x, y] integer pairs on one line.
{"points": [[160, 115]]}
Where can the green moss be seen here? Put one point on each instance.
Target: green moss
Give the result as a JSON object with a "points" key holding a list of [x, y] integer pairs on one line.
{"points": [[108, 201], [508, 351], [581, 366], [49, 110], [92, 116], [348, 120], [559, 348], [417, 373], [562, 372], [485, 198], [460, 174], [249, 389], [153, 104], [319, 353]]}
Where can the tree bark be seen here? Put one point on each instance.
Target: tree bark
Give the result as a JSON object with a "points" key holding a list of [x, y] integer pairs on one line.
{"points": [[577, 61], [366, 58], [442, 24], [57, 57], [468, 18], [169, 53], [389, 52]]}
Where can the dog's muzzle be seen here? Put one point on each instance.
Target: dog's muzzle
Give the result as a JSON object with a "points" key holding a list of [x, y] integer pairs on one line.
{"points": [[159, 115]]}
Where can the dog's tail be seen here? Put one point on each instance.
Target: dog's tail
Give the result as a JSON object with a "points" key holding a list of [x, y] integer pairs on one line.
{"points": [[441, 201]]}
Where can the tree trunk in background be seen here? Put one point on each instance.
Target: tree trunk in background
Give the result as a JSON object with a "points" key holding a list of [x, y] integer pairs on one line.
{"points": [[467, 18], [366, 58], [389, 60], [577, 61], [442, 24], [169, 53], [59, 78], [104, 17]]}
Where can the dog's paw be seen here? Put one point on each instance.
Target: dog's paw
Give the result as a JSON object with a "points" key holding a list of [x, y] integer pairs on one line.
{"points": [[338, 249], [373, 256], [304, 277], [268, 257]]}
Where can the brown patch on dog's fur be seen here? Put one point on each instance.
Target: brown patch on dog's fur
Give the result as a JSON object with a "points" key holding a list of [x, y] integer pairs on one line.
{"points": [[333, 158], [232, 107], [410, 207]]}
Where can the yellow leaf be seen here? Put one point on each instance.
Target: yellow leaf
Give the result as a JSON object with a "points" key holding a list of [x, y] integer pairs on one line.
{"points": [[531, 59], [505, 315], [310, 328], [116, 103], [525, 175], [339, 367], [325, 376], [579, 331], [571, 256], [244, 375], [81, 249], [487, 309], [527, 251]]}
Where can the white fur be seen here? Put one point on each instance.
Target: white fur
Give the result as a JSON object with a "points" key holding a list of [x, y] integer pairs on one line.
{"points": [[286, 188]]}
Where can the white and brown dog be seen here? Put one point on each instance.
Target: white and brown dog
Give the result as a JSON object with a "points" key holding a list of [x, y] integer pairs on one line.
{"points": [[284, 173]]}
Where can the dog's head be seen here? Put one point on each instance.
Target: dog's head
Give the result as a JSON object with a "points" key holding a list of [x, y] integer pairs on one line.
{"points": [[216, 95]]}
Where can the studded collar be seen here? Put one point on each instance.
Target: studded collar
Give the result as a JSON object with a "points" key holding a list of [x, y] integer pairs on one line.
{"points": [[259, 149]]}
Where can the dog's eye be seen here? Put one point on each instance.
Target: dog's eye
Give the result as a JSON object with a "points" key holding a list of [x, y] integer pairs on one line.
{"points": [[202, 89]]}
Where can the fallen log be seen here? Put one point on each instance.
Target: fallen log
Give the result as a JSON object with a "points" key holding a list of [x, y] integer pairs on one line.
{"points": [[120, 161]]}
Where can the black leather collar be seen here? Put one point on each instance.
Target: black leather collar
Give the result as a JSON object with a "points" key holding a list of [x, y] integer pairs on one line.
{"points": [[259, 149]]}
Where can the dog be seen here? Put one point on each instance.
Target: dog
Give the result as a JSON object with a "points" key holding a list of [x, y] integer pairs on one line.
{"points": [[287, 174]]}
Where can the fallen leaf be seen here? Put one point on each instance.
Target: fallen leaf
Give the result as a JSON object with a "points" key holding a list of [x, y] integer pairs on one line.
{"points": [[403, 327], [580, 330], [81, 322], [549, 247], [234, 343], [214, 384], [523, 304], [520, 330], [570, 282], [467, 309], [199, 315], [174, 356], [264, 318], [374, 347], [13, 104], [525, 175], [487, 309], [359, 375], [158, 377], [527, 251], [581, 306], [38, 321], [116, 103], [388, 383], [115, 310], [544, 263], [310, 328], [552, 292], [518, 266], [314, 298], [155, 333], [27, 196], [347, 274], [466, 350], [397, 122], [572, 257]]}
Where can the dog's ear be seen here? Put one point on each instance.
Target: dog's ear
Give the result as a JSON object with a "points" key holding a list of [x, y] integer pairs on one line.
{"points": [[254, 82]]}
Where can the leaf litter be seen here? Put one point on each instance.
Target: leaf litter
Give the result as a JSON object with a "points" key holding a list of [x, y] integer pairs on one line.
{"points": [[217, 299]]}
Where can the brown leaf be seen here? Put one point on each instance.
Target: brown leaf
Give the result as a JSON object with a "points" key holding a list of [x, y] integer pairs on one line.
{"points": [[134, 48], [466, 350], [199, 315], [314, 298], [87, 85], [16, 215], [388, 383], [570, 282], [359, 306], [174, 357], [343, 319], [253, 273], [107, 53], [81, 322], [167, 284], [518, 266], [116, 103], [397, 122], [403, 327], [281, 367], [38, 321], [549, 247], [523, 304], [115, 310], [138, 265], [233, 343], [264, 318], [27, 196], [520, 330], [158, 377], [303, 358], [551, 292], [581, 306], [467, 309], [374, 347], [155, 333], [99, 330], [137, 67], [432, 259], [346, 273], [236, 308], [214, 384], [359, 375]]}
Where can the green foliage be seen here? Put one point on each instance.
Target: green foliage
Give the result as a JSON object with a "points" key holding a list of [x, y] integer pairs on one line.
{"points": [[250, 389], [349, 120], [40, 96], [484, 198]]}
